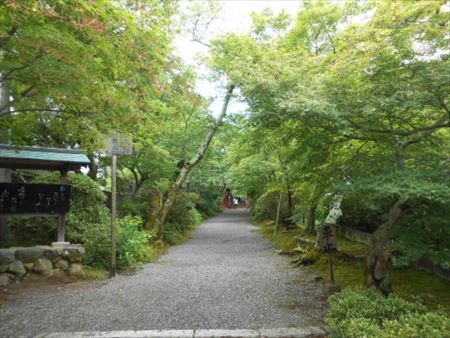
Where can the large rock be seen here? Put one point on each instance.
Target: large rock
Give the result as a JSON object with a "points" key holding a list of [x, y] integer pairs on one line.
{"points": [[62, 264], [5, 279], [75, 270], [29, 255], [43, 266], [74, 253], [17, 268], [58, 273], [7, 256], [4, 267], [28, 266], [52, 254]]}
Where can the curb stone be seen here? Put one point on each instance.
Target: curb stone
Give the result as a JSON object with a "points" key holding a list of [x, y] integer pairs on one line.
{"points": [[305, 332], [226, 334], [122, 334]]}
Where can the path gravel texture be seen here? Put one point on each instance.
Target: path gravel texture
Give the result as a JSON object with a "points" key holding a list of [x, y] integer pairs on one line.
{"points": [[226, 276]]}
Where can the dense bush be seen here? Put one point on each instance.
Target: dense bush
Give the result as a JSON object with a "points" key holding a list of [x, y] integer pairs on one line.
{"points": [[132, 243], [366, 313], [363, 212], [266, 207], [428, 234], [209, 202], [182, 216]]}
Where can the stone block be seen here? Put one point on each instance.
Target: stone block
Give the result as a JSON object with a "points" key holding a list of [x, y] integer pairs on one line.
{"points": [[122, 334], [7, 256], [28, 266], [4, 267], [58, 273], [29, 255], [61, 245], [74, 253], [43, 266], [4, 280], [226, 334], [75, 270], [17, 268], [52, 254], [62, 264]]}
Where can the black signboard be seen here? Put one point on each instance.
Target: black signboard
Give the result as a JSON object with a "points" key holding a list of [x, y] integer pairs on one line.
{"points": [[21, 198], [327, 239]]}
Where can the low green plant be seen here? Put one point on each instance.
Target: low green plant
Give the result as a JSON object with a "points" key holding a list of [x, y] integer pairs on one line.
{"points": [[182, 217], [366, 313], [132, 244]]}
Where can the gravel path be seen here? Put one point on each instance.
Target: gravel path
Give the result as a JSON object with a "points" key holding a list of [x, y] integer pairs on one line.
{"points": [[226, 276]]}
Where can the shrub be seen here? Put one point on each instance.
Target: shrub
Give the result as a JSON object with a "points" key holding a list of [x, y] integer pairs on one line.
{"points": [[266, 207], [209, 202], [366, 313], [132, 243], [182, 216]]}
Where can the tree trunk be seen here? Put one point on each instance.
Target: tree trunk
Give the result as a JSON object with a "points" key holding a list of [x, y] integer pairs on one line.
{"points": [[278, 212], [186, 169], [379, 260], [155, 205], [93, 167], [290, 202], [311, 221]]}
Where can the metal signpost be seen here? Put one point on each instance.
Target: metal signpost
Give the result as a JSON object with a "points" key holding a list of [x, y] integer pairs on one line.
{"points": [[118, 145]]}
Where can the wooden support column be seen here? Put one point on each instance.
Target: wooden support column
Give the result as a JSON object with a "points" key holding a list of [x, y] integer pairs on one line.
{"points": [[5, 177], [62, 217], [113, 215]]}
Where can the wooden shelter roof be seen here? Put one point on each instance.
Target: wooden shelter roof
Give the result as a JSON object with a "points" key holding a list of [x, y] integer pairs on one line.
{"points": [[17, 157]]}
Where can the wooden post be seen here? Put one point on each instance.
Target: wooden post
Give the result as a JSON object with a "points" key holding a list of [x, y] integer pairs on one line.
{"points": [[62, 217], [5, 176], [330, 265], [113, 216]]}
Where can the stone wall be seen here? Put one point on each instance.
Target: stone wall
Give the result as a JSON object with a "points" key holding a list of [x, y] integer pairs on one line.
{"points": [[353, 234], [40, 262]]}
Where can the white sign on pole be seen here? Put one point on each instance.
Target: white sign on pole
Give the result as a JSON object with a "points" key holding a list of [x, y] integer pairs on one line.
{"points": [[119, 144]]}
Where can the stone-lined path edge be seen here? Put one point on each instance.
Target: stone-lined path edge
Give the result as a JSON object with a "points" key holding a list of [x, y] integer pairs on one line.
{"points": [[306, 332]]}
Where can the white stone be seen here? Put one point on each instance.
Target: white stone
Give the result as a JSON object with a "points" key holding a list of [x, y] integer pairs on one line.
{"points": [[226, 333], [60, 244], [123, 334]]}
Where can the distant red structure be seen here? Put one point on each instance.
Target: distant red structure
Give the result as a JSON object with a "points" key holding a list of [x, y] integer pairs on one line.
{"points": [[227, 202]]}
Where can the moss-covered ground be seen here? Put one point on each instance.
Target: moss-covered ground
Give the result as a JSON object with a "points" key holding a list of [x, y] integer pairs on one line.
{"points": [[409, 283]]}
